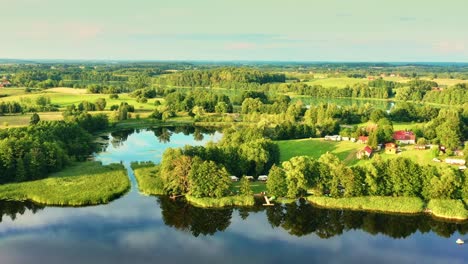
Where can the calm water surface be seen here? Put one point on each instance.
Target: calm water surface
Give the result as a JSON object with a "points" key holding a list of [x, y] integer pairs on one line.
{"points": [[145, 229]]}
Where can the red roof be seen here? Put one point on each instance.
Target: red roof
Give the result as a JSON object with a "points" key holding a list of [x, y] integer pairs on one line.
{"points": [[368, 150], [363, 138], [390, 145], [403, 135]]}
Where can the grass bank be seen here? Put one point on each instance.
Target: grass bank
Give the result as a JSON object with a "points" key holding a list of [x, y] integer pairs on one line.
{"points": [[403, 205], [87, 183], [147, 176], [449, 209], [236, 200]]}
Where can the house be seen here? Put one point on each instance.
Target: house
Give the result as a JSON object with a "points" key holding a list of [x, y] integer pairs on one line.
{"points": [[462, 168], [5, 83], [345, 138], [234, 178], [262, 178], [404, 137], [363, 139], [452, 161], [367, 151], [390, 148]]}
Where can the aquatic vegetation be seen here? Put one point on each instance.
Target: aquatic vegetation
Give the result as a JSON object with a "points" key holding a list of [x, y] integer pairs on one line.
{"points": [[85, 183]]}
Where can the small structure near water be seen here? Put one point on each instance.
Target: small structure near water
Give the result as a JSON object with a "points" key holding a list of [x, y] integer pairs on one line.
{"points": [[460, 242]]}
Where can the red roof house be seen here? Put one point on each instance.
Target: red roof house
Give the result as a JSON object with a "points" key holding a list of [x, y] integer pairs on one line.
{"points": [[404, 137], [363, 139]]}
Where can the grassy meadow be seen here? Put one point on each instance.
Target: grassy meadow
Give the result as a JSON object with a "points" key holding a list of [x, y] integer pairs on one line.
{"points": [[86, 183], [336, 82], [315, 147]]}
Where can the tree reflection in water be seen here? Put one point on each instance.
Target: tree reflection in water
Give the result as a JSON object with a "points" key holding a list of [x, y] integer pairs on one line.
{"points": [[197, 221], [13, 209], [301, 219]]}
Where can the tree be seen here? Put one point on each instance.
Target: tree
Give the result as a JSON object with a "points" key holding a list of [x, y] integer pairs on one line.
{"points": [[207, 179], [34, 119], [100, 104], [245, 189], [299, 175], [276, 184]]}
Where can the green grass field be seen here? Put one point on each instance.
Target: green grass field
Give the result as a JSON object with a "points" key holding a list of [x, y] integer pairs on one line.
{"points": [[67, 96], [86, 183], [256, 187], [19, 120], [345, 150], [336, 82]]}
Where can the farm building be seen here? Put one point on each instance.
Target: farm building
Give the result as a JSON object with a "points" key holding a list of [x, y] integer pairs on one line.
{"points": [[390, 148], [367, 151], [363, 139], [263, 178], [404, 137]]}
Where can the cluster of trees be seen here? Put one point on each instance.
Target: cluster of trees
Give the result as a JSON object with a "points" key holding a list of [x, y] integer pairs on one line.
{"points": [[36, 78], [40, 104], [393, 177], [223, 77], [31, 153], [456, 95], [204, 171], [415, 90], [206, 100]]}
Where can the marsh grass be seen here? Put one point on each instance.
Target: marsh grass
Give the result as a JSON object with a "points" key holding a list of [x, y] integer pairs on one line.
{"points": [[87, 183], [450, 209], [147, 176], [403, 205], [236, 200]]}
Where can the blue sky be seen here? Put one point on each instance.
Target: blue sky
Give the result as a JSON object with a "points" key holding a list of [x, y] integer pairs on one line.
{"points": [[294, 30]]}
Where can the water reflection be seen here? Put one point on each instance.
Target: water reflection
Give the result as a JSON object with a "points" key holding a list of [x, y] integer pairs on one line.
{"points": [[301, 219], [14, 209]]}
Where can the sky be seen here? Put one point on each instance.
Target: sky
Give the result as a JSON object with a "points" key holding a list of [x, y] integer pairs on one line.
{"points": [[220, 30]]}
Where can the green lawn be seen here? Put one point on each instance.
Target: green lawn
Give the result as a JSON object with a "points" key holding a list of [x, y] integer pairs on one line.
{"points": [[85, 183], [147, 175], [345, 150], [257, 186]]}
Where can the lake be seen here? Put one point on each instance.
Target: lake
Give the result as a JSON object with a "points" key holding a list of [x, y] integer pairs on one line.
{"points": [[146, 229]]}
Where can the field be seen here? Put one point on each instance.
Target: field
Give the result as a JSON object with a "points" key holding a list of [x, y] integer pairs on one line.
{"points": [[23, 120], [86, 183], [345, 150], [67, 96], [256, 187], [336, 82]]}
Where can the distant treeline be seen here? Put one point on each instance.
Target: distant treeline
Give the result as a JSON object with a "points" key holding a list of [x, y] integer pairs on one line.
{"points": [[223, 76]]}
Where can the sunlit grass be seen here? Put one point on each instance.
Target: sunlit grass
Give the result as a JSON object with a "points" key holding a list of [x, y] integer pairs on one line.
{"points": [[236, 200], [345, 150], [452, 209], [147, 175], [405, 205], [86, 183]]}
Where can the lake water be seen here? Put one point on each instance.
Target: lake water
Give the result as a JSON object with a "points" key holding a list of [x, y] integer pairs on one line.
{"points": [[145, 229]]}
